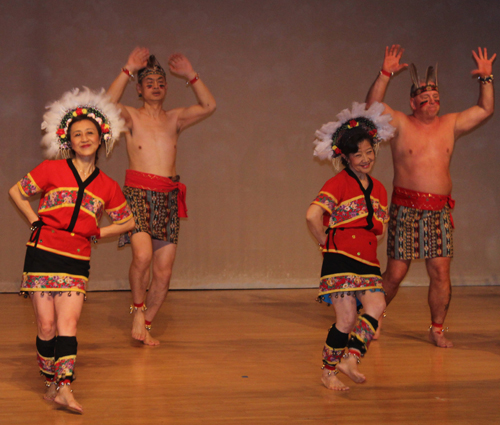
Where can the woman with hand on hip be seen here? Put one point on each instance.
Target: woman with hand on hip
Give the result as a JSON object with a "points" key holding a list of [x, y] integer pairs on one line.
{"points": [[74, 195]]}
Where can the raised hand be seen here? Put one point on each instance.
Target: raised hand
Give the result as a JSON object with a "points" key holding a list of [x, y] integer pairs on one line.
{"points": [[484, 65], [392, 58], [180, 65], [138, 59]]}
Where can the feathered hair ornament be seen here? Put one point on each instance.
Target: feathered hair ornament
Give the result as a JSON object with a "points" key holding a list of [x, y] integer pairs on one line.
{"points": [[328, 141], [95, 105], [420, 86], [153, 67]]}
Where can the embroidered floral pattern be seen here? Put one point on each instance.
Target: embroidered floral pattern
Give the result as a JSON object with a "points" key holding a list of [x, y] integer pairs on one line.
{"points": [[380, 212], [64, 367], [349, 210], [363, 332], [46, 365], [94, 205], [120, 214], [53, 282], [332, 356], [28, 185], [327, 298], [90, 203], [68, 197], [57, 198], [326, 200], [338, 283]]}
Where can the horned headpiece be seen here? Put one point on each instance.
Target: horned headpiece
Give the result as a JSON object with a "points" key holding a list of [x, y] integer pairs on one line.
{"points": [[153, 67], [420, 86]]}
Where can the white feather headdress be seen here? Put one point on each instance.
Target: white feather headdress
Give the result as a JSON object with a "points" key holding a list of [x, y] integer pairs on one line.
{"points": [[96, 105], [371, 120]]}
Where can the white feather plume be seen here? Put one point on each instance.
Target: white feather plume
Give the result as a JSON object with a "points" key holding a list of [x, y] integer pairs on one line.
{"points": [[323, 141], [79, 99]]}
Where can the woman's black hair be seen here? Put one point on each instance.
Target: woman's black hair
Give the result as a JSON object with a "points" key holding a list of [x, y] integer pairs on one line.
{"points": [[350, 140], [97, 126]]}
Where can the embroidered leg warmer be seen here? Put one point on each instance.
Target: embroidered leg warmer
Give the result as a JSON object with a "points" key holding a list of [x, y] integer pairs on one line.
{"points": [[65, 358], [362, 335], [45, 356], [333, 350]]}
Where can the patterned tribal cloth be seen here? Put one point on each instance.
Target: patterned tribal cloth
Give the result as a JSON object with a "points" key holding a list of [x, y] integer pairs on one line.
{"points": [[420, 226], [157, 203]]}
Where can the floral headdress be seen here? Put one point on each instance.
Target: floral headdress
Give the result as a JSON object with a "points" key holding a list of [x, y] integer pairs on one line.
{"points": [[74, 103], [420, 86], [371, 120], [153, 67]]}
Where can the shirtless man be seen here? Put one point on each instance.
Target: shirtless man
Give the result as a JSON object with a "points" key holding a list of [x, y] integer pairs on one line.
{"points": [[152, 186], [421, 224]]}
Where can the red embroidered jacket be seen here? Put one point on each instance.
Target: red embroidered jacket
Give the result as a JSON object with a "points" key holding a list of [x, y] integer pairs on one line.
{"points": [[354, 216], [71, 209]]}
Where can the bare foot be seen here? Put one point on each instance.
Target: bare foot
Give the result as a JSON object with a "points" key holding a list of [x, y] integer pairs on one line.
{"points": [[332, 382], [138, 326], [50, 393], [436, 336], [65, 398], [349, 366], [149, 340]]}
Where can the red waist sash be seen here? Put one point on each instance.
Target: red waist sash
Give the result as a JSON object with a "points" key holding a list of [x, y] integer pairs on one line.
{"points": [[421, 200], [156, 183]]}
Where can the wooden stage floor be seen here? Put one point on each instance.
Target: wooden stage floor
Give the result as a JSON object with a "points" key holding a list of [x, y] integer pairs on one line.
{"points": [[253, 357]]}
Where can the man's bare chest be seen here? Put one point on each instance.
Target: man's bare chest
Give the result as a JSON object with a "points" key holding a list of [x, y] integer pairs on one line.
{"points": [[424, 142]]}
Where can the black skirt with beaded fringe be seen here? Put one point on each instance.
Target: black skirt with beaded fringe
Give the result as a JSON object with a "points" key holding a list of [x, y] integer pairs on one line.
{"points": [[343, 276], [46, 271]]}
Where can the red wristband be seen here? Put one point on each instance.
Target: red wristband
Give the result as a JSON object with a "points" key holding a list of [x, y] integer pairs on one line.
{"points": [[386, 73], [194, 80], [126, 71]]}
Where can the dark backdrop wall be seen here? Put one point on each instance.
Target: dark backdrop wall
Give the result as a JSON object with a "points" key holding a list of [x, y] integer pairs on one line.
{"points": [[279, 69]]}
